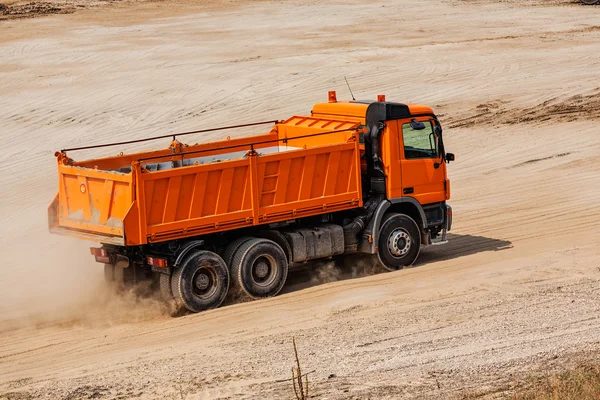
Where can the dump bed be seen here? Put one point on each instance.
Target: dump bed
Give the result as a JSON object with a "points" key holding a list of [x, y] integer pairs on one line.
{"points": [[304, 166]]}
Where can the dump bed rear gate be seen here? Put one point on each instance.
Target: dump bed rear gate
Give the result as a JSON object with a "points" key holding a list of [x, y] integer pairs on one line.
{"points": [[92, 202]]}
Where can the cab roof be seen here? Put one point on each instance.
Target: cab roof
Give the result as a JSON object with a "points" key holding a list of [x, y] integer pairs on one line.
{"points": [[357, 109]]}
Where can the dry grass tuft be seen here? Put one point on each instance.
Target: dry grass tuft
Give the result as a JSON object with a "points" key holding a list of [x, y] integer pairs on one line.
{"points": [[300, 388], [580, 383]]}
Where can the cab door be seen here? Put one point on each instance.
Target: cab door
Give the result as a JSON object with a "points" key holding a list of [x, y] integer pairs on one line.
{"points": [[423, 169]]}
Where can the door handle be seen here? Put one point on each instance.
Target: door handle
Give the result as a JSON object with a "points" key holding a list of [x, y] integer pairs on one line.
{"points": [[409, 190]]}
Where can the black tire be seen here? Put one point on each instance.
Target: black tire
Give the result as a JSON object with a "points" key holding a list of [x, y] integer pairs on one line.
{"points": [[232, 248], [109, 274], [399, 242], [259, 268], [202, 281], [280, 239], [590, 2], [166, 293], [124, 277]]}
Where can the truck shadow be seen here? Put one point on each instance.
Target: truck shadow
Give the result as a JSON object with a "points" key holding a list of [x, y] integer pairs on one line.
{"points": [[459, 246], [358, 265]]}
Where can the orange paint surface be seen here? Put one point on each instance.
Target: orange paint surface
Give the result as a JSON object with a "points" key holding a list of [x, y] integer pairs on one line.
{"points": [[211, 187]]}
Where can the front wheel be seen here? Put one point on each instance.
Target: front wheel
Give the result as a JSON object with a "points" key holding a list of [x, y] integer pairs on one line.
{"points": [[201, 283], [590, 2], [399, 242]]}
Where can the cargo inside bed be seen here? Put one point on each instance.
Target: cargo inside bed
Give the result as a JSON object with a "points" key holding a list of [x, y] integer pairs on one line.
{"points": [[186, 162]]}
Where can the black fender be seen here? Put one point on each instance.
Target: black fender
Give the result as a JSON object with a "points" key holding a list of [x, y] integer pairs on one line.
{"points": [[185, 249], [370, 236]]}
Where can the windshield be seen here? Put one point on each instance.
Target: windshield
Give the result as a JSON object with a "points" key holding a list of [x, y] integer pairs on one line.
{"points": [[422, 143]]}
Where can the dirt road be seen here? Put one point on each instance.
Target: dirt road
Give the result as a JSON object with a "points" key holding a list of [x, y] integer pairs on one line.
{"points": [[517, 289]]}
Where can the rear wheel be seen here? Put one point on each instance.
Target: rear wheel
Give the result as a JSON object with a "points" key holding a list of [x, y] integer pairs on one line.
{"points": [[124, 278], [260, 268], [201, 283], [399, 242], [232, 249], [280, 239], [166, 294], [590, 2]]}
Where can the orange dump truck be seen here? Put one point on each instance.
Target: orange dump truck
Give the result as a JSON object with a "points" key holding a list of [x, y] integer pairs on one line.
{"points": [[353, 176]]}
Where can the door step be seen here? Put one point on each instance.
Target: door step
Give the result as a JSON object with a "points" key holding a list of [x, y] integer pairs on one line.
{"points": [[440, 242]]}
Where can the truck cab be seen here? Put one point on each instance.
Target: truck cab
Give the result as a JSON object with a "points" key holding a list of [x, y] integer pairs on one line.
{"points": [[404, 160]]}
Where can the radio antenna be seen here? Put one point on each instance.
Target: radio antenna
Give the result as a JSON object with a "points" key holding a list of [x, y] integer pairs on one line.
{"points": [[351, 94]]}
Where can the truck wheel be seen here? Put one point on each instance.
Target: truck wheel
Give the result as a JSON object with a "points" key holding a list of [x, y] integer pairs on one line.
{"points": [[399, 242], [280, 239], [260, 268], [232, 248], [164, 283], [109, 273], [124, 277], [166, 294], [201, 283]]}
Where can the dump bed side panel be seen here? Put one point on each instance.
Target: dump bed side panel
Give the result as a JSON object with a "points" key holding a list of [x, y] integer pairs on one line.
{"points": [[308, 182], [91, 202], [258, 189], [195, 200]]}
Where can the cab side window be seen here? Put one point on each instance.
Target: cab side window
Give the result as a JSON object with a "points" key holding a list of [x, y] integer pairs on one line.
{"points": [[420, 143]]}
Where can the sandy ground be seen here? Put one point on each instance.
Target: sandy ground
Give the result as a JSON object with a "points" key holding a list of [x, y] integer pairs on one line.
{"points": [[517, 289]]}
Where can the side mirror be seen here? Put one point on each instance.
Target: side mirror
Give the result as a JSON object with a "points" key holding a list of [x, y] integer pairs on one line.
{"points": [[449, 157], [417, 125]]}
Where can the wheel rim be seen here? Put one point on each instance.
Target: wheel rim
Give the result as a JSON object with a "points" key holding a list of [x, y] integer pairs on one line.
{"points": [[204, 282], [264, 270], [399, 243]]}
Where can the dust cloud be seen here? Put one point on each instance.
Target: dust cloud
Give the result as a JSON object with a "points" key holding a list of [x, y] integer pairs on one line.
{"points": [[342, 268], [55, 281]]}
